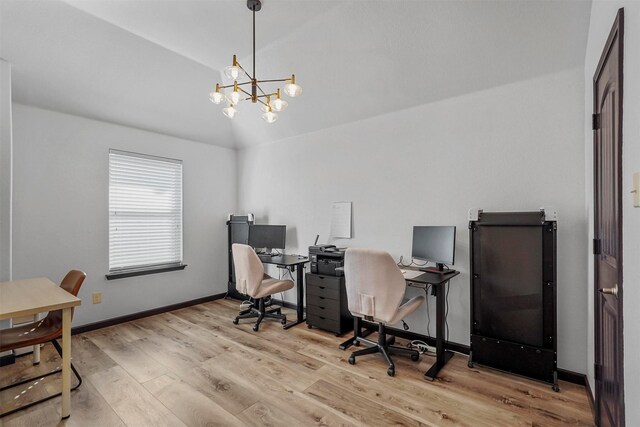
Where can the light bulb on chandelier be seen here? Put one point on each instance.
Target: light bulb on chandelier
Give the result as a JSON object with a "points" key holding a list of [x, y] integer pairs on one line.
{"points": [[230, 111], [217, 97], [234, 96], [234, 71], [270, 116], [292, 89], [278, 104]]}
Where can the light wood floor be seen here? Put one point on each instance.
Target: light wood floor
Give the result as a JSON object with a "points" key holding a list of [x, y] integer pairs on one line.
{"points": [[194, 367]]}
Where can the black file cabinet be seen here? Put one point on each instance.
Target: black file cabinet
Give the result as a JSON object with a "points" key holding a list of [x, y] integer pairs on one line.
{"points": [[327, 304]]}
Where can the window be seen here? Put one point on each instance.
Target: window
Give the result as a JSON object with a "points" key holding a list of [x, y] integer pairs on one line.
{"points": [[145, 214]]}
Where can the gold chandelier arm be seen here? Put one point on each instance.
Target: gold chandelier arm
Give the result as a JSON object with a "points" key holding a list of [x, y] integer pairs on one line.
{"points": [[245, 71], [273, 80], [231, 85], [266, 94], [258, 86], [244, 91]]}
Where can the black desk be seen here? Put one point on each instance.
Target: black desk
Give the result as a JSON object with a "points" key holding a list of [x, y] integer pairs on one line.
{"points": [[291, 262], [438, 285]]}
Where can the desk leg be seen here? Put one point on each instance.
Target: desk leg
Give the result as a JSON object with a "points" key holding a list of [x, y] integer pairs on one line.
{"points": [[442, 356], [36, 354], [66, 363], [300, 300], [36, 348]]}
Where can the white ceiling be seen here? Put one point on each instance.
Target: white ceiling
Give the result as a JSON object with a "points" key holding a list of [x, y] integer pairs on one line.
{"points": [[66, 60], [151, 64]]}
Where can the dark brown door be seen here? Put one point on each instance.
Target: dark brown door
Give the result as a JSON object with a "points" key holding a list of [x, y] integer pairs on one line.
{"points": [[607, 160]]}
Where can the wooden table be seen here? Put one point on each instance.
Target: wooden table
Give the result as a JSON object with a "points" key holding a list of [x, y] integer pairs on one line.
{"points": [[32, 296]]}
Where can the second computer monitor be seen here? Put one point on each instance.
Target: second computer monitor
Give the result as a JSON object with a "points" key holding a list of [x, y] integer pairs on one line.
{"points": [[268, 236], [434, 243]]}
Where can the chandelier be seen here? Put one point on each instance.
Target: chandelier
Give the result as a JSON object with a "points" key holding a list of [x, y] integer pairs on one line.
{"points": [[271, 101]]}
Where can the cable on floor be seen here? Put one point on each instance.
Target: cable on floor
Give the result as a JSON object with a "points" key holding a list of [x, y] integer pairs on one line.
{"points": [[421, 346]]}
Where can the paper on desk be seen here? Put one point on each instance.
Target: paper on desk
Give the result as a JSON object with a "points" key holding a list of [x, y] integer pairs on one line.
{"points": [[341, 220]]}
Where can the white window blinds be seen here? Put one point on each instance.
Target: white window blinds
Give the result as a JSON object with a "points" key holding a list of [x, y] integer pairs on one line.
{"points": [[145, 211]]}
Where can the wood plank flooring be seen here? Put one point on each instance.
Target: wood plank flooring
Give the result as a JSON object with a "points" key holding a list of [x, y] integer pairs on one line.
{"points": [[194, 367]]}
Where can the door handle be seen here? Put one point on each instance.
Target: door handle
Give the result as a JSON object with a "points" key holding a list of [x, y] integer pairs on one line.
{"points": [[610, 291]]}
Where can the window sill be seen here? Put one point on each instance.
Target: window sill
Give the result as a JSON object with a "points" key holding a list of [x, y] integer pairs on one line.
{"points": [[153, 270]]}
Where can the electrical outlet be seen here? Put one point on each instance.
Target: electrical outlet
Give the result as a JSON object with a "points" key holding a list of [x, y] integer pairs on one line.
{"points": [[97, 297]]}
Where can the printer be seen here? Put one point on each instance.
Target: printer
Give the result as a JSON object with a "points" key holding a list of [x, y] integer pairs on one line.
{"points": [[325, 259]]}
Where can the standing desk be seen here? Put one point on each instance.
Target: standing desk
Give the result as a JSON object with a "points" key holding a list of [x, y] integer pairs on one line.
{"points": [[32, 296], [291, 262], [423, 280]]}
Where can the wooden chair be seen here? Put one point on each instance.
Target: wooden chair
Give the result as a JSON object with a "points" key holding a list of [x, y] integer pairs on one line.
{"points": [[46, 330]]}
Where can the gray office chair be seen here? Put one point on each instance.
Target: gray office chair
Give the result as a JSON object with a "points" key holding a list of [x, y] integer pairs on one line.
{"points": [[375, 290], [251, 280]]}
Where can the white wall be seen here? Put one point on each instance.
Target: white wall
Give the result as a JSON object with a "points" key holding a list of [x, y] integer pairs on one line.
{"points": [[5, 176], [603, 14], [5, 170], [514, 147], [61, 210]]}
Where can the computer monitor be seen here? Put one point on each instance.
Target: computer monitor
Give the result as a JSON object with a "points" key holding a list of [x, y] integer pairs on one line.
{"points": [[267, 236], [434, 243]]}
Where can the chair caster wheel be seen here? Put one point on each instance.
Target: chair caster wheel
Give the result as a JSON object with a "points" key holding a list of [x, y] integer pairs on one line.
{"points": [[235, 321], [352, 360], [356, 343], [470, 364], [556, 388], [415, 357], [309, 326], [255, 328], [391, 371], [284, 321]]}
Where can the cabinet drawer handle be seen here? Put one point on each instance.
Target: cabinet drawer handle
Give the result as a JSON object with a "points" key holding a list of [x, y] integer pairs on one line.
{"points": [[322, 287], [322, 318], [322, 297]]}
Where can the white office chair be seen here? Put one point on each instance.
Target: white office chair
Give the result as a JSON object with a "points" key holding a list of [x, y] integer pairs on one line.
{"points": [[251, 280], [375, 290]]}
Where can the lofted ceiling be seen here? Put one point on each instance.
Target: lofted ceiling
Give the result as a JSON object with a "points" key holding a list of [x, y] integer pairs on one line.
{"points": [[150, 64]]}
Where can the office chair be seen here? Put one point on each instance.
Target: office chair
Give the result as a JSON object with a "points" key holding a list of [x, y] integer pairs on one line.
{"points": [[251, 280], [375, 290], [46, 330]]}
